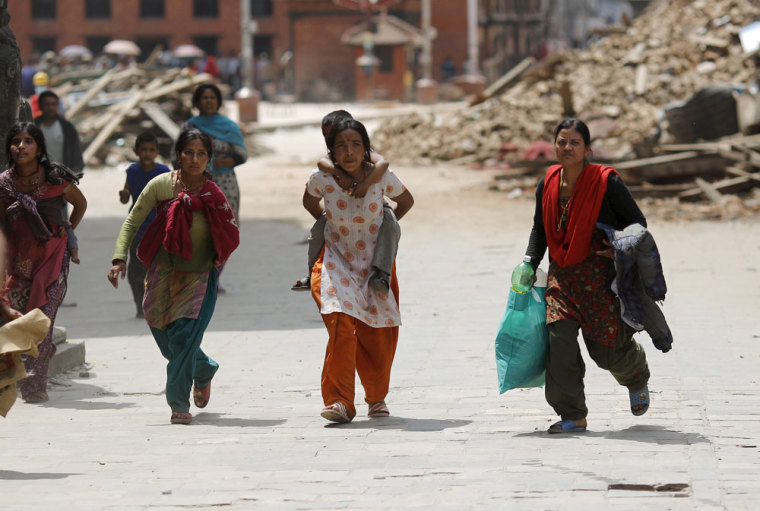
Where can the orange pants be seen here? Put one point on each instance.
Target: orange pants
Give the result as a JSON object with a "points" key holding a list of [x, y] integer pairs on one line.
{"points": [[354, 347]]}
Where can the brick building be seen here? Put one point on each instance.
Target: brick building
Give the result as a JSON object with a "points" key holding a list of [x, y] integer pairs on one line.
{"points": [[308, 41]]}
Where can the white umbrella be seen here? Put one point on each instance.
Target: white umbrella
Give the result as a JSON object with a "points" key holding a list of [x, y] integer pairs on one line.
{"points": [[122, 47], [75, 50], [188, 51]]}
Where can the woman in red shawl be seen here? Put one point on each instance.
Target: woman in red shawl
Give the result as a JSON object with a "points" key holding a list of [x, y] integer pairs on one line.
{"points": [[570, 199], [194, 233], [33, 196]]}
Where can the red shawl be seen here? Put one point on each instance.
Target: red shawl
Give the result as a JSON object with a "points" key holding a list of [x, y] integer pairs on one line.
{"points": [[571, 244], [171, 227]]}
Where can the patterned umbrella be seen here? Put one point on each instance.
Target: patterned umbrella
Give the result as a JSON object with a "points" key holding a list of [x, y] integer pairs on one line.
{"points": [[366, 5]]}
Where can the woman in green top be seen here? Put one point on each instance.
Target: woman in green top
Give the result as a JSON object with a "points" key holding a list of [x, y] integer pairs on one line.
{"points": [[193, 234]]}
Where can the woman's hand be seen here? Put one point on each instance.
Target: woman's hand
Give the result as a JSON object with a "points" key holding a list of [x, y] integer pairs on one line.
{"points": [[8, 313], [74, 255], [609, 253], [118, 269]]}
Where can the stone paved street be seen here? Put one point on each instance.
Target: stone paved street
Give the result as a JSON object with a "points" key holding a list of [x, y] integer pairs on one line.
{"points": [[104, 442]]}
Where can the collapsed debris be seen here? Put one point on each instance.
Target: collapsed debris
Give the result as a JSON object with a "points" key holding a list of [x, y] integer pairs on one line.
{"points": [[621, 86], [111, 109]]}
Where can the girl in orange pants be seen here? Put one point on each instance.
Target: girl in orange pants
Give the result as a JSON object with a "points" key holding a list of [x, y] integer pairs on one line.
{"points": [[354, 346], [362, 320]]}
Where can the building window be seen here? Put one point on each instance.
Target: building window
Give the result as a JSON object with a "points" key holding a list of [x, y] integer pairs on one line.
{"points": [[261, 8], [206, 8], [43, 9], [97, 9], [262, 44], [385, 54], [95, 43], [152, 9], [41, 44], [207, 43]]}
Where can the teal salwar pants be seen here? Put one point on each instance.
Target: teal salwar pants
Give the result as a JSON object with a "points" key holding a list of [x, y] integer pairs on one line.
{"points": [[180, 344]]}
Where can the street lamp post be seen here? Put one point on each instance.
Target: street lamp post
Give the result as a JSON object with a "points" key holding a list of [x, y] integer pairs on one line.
{"points": [[247, 97], [427, 88]]}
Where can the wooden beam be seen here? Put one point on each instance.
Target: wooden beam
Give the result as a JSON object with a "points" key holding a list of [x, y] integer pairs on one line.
{"points": [[98, 86], [731, 185], [501, 83], [163, 121], [710, 191], [743, 173], [113, 122]]}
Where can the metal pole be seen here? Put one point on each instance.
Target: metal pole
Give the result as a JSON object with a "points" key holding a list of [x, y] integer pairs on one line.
{"points": [[246, 57], [427, 57], [472, 37]]}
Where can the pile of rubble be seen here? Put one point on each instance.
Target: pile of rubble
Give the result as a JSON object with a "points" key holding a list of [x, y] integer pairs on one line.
{"points": [[670, 52], [620, 86], [110, 109]]}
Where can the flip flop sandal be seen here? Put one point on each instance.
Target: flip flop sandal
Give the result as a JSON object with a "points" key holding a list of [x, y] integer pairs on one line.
{"points": [[378, 409], [565, 426], [181, 418], [639, 398], [201, 396], [303, 284], [336, 412]]}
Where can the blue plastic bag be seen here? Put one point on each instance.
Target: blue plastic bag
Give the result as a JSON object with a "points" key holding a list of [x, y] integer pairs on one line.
{"points": [[522, 341]]}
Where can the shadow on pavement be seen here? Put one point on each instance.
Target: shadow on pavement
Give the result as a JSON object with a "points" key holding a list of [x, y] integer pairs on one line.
{"points": [[257, 278], [12, 475], [403, 423], [222, 420], [82, 396], [639, 433]]}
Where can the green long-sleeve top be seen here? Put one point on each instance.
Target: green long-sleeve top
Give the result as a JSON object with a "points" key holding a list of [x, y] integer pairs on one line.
{"points": [[160, 188]]}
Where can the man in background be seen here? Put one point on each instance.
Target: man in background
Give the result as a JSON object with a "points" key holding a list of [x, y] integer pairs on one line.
{"points": [[61, 136]]}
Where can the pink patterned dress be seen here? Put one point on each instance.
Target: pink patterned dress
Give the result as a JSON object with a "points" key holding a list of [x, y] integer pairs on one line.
{"points": [[38, 262], [350, 238]]}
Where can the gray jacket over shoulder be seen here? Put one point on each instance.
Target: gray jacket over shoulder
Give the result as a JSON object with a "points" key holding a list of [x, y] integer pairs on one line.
{"points": [[639, 282]]}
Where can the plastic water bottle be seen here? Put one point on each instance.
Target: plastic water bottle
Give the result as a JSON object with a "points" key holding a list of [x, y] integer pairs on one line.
{"points": [[522, 280]]}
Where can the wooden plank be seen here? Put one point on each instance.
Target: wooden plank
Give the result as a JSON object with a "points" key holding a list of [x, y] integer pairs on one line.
{"points": [[743, 173], [731, 185], [676, 168], [112, 124], [178, 85], [657, 160], [98, 86], [163, 121], [501, 83], [749, 141], [710, 191], [658, 191]]}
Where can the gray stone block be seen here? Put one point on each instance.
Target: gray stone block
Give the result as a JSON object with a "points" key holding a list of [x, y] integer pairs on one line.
{"points": [[68, 355]]}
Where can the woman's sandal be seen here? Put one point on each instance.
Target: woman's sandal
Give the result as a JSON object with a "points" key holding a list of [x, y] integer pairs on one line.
{"points": [[303, 284], [201, 396], [639, 398], [37, 397], [336, 412], [565, 426], [181, 418], [378, 409]]}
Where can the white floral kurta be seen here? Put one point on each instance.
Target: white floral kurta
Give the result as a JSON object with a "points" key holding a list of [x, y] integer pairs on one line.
{"points": [[350, 238]]}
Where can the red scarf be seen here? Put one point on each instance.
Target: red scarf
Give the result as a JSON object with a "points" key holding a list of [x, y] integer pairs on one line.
{"points": [[171, 227], [572, 243]]}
